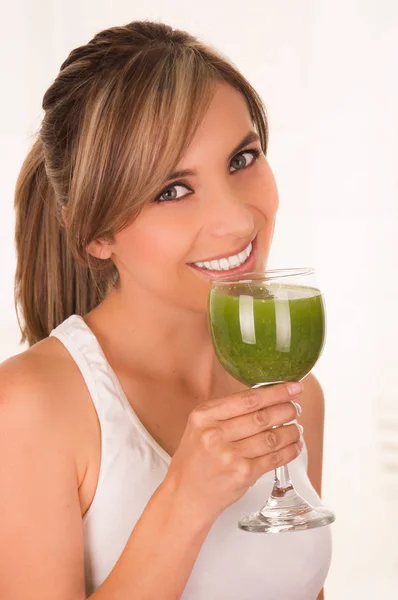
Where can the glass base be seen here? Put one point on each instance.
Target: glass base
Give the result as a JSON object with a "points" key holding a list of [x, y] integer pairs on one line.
{"points": [[286, 510]]}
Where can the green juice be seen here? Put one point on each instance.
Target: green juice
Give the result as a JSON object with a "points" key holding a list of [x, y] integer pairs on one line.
{"points": [[273, 333]]}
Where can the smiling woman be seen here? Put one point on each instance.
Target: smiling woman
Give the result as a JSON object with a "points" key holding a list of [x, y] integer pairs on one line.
{"points": [[134, 450], [106, 152], [224, 200]]}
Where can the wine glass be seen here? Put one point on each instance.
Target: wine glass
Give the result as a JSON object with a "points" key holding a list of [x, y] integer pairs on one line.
{"points": [[269, 328]]}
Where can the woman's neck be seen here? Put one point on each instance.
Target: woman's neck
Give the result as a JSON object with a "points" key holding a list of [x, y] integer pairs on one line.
{"points": [[151, 338]]}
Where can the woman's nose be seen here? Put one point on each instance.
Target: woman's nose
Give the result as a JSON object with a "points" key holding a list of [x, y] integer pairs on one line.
{"points": [[229, 215]]}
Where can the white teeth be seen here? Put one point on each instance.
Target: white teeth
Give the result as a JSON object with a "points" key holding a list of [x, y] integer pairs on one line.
{"points": [[234, 261], [224, 264], [230, 262]]}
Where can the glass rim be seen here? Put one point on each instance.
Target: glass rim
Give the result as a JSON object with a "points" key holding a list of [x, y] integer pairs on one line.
{"points": [[267, 275]]}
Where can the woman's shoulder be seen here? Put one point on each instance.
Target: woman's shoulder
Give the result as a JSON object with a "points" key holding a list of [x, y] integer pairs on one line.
{"points": [[42, 386], [33, 373], [42, 374]]}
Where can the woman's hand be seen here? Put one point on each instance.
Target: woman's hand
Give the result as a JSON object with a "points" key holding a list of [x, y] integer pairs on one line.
{"points": [[231, 442]]}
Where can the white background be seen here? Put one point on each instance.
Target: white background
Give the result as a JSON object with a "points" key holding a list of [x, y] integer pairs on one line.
{"points": [[327, 71]]}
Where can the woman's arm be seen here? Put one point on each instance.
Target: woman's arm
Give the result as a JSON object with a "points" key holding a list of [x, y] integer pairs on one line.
{"points": [[160, 554], [41, 539]]}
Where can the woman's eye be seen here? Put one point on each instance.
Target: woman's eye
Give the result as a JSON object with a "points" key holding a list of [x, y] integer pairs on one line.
{"points": [[173, 192], [243, 160]]}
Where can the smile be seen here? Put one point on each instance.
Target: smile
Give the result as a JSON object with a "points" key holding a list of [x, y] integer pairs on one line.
{"points": [[227, 263]]}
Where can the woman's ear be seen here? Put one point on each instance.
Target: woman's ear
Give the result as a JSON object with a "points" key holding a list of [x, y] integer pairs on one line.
{"points": [[100, 249]]}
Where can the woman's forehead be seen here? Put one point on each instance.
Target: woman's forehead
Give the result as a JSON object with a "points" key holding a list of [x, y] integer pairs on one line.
{"points": [[225, 123]]}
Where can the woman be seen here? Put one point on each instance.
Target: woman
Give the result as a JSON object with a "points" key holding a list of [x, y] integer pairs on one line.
{"points": [[133, 452]]}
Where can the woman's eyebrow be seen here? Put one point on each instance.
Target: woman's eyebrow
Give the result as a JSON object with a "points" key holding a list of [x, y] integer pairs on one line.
{"points": [[251, 137]]}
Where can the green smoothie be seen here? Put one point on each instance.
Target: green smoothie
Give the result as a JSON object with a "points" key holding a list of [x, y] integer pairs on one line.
{"points": [[274, 332]]}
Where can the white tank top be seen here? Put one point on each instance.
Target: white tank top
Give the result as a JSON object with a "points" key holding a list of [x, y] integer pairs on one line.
{"points": [[232, 564]]}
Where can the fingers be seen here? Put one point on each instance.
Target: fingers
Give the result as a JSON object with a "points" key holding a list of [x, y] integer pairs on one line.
{"points": [[249, 425], [269, 442], [278, 458], [252, 400]]}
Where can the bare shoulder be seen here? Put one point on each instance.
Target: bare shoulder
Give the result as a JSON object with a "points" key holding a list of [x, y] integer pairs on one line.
{"points": [[28, 379], [32, 407], [312, 419], [38, 378], [42, 386], [36, 368]]}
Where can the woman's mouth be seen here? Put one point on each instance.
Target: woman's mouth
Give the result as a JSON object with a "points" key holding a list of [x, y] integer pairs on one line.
{"points": [[242, 261]]}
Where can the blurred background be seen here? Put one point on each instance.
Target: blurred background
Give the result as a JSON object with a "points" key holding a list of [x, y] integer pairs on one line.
{"points": [[327, 71]]}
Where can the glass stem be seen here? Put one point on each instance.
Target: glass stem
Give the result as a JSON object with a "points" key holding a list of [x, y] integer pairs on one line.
{"points": [[282, 481]]}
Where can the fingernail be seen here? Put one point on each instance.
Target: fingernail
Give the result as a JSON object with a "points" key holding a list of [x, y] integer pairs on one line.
{"points": [[298, 408], [294, 388], [300, 445], [300, 428]]}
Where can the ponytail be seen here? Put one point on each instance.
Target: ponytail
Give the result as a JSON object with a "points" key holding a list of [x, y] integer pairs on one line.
{"points": [[50, 284]]}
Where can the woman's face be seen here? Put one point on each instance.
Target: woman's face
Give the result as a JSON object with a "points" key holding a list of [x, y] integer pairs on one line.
{"points": [[226, 201]]}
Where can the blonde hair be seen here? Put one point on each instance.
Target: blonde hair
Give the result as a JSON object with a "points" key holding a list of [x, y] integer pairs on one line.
{"points": [[117, 119]]}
